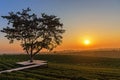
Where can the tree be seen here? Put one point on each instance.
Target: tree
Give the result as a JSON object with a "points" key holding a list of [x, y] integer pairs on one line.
{"points": [[35, 33]]}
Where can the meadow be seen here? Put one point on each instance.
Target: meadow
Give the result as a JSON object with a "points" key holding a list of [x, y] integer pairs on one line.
{"points": [[62, 67]]}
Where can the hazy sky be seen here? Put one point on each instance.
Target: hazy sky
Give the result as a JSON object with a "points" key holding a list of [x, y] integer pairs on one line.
{"points": [[95, 20]]}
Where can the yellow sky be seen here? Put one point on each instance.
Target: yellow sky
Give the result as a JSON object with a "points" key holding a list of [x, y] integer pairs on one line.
{"points": [[95, 20]]}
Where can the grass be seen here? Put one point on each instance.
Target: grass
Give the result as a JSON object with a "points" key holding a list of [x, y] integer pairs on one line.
{"points": [[63, 67]]}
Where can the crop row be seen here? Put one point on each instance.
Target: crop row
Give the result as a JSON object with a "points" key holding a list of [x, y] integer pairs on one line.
{"points": [[84, 70]]}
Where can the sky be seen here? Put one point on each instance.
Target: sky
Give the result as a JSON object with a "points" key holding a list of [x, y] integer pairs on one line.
{"points": [[95, 20]]}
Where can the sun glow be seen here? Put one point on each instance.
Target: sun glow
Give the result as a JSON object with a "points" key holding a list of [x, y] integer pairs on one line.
{"points": [[86, 42]]}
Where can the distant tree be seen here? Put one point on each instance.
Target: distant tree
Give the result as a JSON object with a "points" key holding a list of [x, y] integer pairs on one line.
{"points": [[35, 33]]}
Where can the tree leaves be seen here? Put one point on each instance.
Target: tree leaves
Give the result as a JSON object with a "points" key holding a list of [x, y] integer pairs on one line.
{"points": [[34, 32]]}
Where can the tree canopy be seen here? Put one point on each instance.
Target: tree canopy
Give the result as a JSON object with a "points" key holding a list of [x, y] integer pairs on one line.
{"points": [[35, 33]]}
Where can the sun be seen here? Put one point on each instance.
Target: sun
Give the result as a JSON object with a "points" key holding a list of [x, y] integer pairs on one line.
{"points": [[87, 42]]}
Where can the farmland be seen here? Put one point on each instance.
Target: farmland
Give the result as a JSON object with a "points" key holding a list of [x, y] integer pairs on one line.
{"points": [[62, 67]]}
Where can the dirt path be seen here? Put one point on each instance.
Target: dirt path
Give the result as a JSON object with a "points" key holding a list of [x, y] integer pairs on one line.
{"points": [[25, 67]]}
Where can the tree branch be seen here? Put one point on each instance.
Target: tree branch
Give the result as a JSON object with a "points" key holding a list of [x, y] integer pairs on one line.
{"points": [[37, 51]]}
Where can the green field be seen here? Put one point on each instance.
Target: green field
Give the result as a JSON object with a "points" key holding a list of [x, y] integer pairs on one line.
{"points": [[63, 67]]}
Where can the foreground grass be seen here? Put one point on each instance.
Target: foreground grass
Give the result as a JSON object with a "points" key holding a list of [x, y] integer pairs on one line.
{"points": [[63, 67]]}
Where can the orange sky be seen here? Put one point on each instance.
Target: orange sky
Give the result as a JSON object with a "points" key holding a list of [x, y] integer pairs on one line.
{"points": [[95, 20]]}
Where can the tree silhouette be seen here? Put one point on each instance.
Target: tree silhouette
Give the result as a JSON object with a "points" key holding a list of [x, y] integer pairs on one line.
{"points": [[35, 33]]}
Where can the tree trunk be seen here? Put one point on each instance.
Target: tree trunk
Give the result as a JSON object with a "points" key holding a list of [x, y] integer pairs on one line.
{"points": [[31, 58]]}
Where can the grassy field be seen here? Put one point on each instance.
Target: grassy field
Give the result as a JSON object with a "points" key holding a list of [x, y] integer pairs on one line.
{"points": [[63, 67]]}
